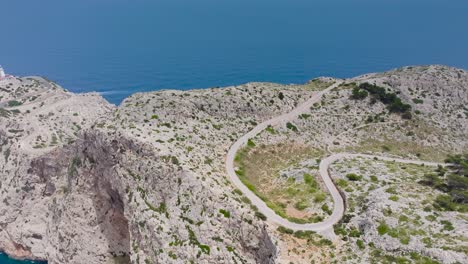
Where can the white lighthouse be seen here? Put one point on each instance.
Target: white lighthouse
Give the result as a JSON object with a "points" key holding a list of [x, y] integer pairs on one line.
{"points": [[2, 73]]}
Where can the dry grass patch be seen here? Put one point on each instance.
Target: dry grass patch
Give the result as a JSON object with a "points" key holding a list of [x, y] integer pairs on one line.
{"points": [[259, 169], [315, 85], [308, 248]]}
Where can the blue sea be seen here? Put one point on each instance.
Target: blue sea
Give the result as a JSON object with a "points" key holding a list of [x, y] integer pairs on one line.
{"points": [[4, 259], [118, 47]]}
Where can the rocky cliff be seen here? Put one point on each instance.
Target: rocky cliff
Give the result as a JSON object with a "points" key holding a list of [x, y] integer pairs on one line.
{"points": [[83, 181]]}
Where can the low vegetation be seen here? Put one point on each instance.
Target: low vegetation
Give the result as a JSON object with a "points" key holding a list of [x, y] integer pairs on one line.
{"points": [[391, 100], [453, 182], [410, 209], [259, 167]]}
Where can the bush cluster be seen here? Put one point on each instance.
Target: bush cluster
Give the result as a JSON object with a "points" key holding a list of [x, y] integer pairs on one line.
{"points": [[391, 100], [453, 182], [353, 177]]}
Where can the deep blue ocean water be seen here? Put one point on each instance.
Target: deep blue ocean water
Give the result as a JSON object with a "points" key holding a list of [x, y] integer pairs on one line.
{"points": [[118, 47]]}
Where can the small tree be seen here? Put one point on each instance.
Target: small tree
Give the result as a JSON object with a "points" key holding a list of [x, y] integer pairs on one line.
{"points": [[281, 96], [359, 94], [290, 125]]}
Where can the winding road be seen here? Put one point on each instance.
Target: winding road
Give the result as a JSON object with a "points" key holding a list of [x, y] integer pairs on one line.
{"points": [[325, 227]]}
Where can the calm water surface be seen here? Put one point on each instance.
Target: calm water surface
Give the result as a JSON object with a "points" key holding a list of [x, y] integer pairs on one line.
{"points": [[118, 47], [4, 259]]}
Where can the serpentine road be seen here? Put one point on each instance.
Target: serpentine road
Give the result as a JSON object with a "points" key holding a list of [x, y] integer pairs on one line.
{"points": [[325, 227]]}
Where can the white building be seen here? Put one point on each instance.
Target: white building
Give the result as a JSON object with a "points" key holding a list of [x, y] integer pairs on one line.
{"points": [[2, 73]]}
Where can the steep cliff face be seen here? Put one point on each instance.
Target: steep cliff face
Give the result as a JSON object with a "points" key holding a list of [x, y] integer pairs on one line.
{"points": [[86, 201], [67, 196], [39, 213], [91, 215]]}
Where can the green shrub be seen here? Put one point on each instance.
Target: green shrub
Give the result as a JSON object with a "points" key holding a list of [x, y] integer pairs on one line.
{"points": [[383, 228], [386, 148], [360, 244], [281, 95], [457, 182], [226, 213], [289, 125], [326, 209], [162, 209], [172, 255], [194, 241], [427, 241], [4, 113], [339, 230], [304, 234], [319, 197], [444, 202], [354, 233], [301, 205], [250, 143], [403, 218], [353, 177], [359, 94], [260, 216], [204, 248], [391, 100], [391, 190], [285, 230], [217, 127], [310, 180], [14, 103], [342, 183], [431, 179], [174, 160], [447, 225], [431, 218], [270, 129], [401, 234], [407, 115], [459, 163], [418, 259], [325, 242]]}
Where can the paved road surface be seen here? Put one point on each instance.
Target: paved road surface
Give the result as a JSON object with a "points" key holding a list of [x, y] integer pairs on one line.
{"points": [[325, 227]]}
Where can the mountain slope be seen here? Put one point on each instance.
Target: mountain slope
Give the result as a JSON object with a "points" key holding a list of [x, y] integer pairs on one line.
{"points": [[85, 181]]}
